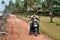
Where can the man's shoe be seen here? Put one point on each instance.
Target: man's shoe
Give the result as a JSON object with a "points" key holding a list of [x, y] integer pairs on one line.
{"points": [[29, 33], [38, 33]]}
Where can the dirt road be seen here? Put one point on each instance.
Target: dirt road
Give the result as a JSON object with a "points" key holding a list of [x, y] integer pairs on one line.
{"points": [[19, 30]]}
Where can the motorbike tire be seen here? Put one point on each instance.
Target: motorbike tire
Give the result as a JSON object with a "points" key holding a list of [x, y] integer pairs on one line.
{"points": [[36, 32]]}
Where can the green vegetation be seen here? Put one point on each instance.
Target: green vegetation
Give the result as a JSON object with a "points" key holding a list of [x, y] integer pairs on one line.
{"points": [[22, 6], [51, 29]]}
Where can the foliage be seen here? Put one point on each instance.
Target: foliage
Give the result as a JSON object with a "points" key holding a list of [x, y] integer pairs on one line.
{"points": [[23, 5], [3, 2]]}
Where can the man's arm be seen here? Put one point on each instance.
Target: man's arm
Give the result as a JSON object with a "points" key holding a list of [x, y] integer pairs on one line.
{"points": [[30, 18], [38, 18]]}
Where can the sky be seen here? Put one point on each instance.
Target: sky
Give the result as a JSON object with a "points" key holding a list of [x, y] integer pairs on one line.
{"points": [[6, 3]]}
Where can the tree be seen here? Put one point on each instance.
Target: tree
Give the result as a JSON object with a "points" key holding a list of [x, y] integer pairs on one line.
{"points": [[25, 4], [3, 2], [44, 6], [50, 4], [6, 8], [30, 3], [58, 2], [17, 4], [10, 5], [36, 3]]}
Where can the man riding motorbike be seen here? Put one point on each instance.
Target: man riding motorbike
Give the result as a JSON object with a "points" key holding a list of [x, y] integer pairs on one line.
{"points": [[33, 17]]}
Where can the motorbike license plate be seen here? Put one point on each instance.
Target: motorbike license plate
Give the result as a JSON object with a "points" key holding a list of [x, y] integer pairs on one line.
{"points": [[35, 25]]}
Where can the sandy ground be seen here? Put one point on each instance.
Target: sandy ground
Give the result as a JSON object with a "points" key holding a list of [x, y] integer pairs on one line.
{"points": [[19, 30]]}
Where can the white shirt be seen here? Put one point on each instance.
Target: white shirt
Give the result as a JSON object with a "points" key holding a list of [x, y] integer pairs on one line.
{"points": [[33, 16]]}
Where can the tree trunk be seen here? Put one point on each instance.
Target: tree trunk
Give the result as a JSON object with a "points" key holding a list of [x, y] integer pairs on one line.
{"points": [[51, 20], [30, 5], [25, 5]]}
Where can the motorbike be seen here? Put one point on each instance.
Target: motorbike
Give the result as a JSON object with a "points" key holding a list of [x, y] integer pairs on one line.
{"points": [[35, 27]]}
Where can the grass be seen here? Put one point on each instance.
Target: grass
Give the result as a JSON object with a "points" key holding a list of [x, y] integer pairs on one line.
{"points": [[50, 29]]}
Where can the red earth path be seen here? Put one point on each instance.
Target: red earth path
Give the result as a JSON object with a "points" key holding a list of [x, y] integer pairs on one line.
{"points": [[19, 30]]}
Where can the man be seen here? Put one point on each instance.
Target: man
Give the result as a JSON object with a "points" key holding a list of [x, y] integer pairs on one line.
{"points": [[31, 23]]}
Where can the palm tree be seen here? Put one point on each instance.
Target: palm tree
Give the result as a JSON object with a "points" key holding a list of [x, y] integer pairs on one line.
{"points": [[30, 3], [17, 5], [3, 2], [36, 3], [10, 5], [50, 3], [58, 1], [6, 8], [25, 4], [44, 7], [51, 10]]}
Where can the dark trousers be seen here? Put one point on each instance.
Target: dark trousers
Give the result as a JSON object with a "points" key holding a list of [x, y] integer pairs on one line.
{"points": [[31, 27], [31, 24]]}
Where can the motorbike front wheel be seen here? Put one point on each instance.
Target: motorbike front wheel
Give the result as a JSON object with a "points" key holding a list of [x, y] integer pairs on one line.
{"points": [[36, 32]]}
